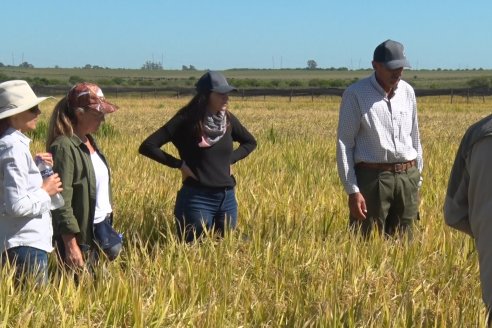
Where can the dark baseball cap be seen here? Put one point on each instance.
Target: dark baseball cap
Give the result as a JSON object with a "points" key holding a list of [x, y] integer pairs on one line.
{"points": [[213, 81], [391, 54]]}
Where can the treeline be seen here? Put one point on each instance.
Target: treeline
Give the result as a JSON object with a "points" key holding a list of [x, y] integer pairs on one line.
{"points": [[482, 82], [290, 83], [189, 82]]}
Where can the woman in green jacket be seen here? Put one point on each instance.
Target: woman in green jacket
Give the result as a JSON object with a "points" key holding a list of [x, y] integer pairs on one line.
{"points": [[84, 223]]}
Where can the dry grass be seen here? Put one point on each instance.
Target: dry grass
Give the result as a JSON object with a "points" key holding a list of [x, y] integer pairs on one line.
{"points": [[299, 266]]}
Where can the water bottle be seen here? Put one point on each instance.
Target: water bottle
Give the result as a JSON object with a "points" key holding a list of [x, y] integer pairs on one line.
{"points": [[46, 170]]}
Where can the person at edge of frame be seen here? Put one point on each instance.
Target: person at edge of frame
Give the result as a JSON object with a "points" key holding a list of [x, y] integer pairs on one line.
{"points": [[468, 201], [25, 219], [379, 155], [203, 131]]}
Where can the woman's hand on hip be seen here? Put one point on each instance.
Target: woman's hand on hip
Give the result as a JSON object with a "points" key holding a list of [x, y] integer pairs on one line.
{"points": [[186, 172]]}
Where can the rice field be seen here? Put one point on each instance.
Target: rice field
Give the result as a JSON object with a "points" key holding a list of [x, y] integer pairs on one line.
{"points": [[292, 262]]}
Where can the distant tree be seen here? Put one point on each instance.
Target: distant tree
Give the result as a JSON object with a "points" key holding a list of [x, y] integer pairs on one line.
{"points": [[295, 83], [275, 83], [312, 64], [151, 65], [104, 82], [314, 83], [118, 80], [319, 83], [26, 65], [2, 65], [479, 82], [336, 83], [87, 66], [75, 79], [188, 68]]}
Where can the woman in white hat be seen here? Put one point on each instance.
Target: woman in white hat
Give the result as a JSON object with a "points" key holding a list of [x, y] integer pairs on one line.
{"points": [[25, 220]]}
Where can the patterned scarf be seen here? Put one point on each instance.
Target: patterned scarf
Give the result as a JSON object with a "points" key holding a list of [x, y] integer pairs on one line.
{"points": [[214, 128]]}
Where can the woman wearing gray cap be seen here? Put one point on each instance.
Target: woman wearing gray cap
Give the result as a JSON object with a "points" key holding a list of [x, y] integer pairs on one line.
{"points": [[203, 131], [25, 220]]}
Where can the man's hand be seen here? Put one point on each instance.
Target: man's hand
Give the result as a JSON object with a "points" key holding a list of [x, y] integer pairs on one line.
{"points": [[357, 206]]}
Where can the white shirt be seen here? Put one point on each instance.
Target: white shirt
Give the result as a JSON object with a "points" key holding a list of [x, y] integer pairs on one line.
{"points": [[103, 205], [25, 218], [375, 129]]}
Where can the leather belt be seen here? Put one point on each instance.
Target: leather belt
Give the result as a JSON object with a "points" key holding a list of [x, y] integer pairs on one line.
{"points": [[392, 167]]}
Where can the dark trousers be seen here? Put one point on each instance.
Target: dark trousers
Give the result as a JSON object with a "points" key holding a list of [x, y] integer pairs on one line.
{"points": [[392, 200]]}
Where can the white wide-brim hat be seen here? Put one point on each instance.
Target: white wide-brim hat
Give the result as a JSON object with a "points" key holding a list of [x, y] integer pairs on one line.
{"points": [[16, 97]]}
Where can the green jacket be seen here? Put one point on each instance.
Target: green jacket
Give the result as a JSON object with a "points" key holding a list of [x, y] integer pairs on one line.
{"points": [[73, 163]]}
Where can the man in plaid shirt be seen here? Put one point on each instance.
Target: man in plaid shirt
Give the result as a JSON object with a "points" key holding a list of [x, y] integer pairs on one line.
{"points": [[379, 155]]}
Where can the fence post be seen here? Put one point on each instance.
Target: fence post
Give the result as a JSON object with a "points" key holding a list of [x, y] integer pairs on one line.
{"points": [[452, 92], [290, 96]]}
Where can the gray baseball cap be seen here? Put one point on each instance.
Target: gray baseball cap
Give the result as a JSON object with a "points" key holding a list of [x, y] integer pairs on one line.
{"points": [[213, 81], [391, 54]]}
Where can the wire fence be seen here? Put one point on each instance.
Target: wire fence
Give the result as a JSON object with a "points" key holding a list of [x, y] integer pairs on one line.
{"points": [[462, 93]]}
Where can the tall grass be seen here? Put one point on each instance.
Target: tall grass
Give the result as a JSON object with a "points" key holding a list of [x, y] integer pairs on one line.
{"points": [[292, 261]]}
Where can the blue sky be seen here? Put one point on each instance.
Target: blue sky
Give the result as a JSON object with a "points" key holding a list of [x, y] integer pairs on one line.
{"points": [[213, 34]]}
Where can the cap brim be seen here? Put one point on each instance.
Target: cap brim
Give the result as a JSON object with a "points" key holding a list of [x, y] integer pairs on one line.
{"points": [[224, 89], [23, 108], [395, 64], [104, 107]]}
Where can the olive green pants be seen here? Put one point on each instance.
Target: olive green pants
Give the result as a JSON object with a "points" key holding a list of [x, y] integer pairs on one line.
{"points": [[392, 200]]}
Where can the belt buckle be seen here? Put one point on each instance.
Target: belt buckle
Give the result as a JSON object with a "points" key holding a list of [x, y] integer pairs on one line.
{"points": [[399, 168]]}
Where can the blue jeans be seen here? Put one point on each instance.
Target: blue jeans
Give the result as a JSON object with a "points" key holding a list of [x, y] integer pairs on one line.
{"points": [[28, 261], [200, 207]]}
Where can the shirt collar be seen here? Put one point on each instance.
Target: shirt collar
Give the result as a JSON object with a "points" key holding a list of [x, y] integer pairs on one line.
{"points": [[78, 142], [379, 88], [19, 135]]}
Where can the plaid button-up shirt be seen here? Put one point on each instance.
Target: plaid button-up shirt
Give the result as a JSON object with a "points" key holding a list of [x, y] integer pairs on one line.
{"points": [[375, 129]]}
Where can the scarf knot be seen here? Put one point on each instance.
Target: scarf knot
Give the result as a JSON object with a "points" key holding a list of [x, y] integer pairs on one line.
{"points": [[214, 128]]}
